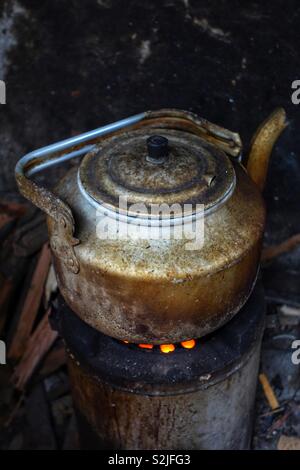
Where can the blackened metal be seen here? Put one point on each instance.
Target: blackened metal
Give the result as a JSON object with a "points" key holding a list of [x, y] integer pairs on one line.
{"points": [[218, 416], [139, 399], [157, 146], [146, 371]]}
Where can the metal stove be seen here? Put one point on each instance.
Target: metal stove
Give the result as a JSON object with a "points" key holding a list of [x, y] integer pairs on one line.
{"points": [[196, 397]]}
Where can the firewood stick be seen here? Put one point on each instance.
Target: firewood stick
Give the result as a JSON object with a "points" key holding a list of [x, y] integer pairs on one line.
{"points": [[37, 347], [287, 245], [10, 211], [268, 391], [31, 305], [55, 359], [6, 291], [14, 412]]}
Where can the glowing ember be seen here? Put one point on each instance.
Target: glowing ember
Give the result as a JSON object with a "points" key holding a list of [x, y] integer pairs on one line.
{"points": [[167, 348], [189, 344]]}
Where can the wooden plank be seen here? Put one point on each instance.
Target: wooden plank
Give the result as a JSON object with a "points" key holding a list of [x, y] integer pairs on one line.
{"points": [[6, 291], [31, 305], [55, 359], [38, 345]]}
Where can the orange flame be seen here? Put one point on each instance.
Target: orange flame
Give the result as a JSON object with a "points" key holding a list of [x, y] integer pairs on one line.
{"points": [[167, 348], [189, 344]]}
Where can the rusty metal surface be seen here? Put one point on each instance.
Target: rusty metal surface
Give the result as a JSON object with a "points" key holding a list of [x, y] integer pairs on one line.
{"points": [[166, 401], [224, 139], [128, 367], [198, 420], [63, 241], [195, 172], [157, 291], [262, 145], [69, 148]]}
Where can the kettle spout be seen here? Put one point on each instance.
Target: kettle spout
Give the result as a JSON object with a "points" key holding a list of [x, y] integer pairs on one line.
{"points": [[262, 144]]}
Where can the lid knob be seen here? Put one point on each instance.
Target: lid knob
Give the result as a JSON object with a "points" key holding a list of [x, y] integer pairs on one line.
{"points": [[157, 148]]}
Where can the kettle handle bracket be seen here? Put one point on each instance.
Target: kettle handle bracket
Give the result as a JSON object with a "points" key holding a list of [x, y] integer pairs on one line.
{"points": [[63, 242], [229, 142]]}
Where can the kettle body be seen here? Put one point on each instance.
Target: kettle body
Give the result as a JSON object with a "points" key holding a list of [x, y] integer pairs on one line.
{"points": [[144, 288]]}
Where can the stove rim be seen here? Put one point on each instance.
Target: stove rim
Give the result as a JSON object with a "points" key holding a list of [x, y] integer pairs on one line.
{"points": [[168, 372]]}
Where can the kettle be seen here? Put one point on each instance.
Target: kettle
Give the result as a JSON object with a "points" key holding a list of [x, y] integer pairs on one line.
{"points": [[156, 235]]}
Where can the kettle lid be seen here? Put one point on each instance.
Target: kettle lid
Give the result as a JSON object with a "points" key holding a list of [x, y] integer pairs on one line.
{"points": [[151, 167]]}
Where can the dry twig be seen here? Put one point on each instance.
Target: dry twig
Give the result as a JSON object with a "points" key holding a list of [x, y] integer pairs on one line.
{"points": [[31, 305], [38, 345], [268, 391]]}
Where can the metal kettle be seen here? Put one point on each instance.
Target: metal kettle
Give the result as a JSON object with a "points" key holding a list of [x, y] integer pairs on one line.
{"points": [[147, 289]]}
